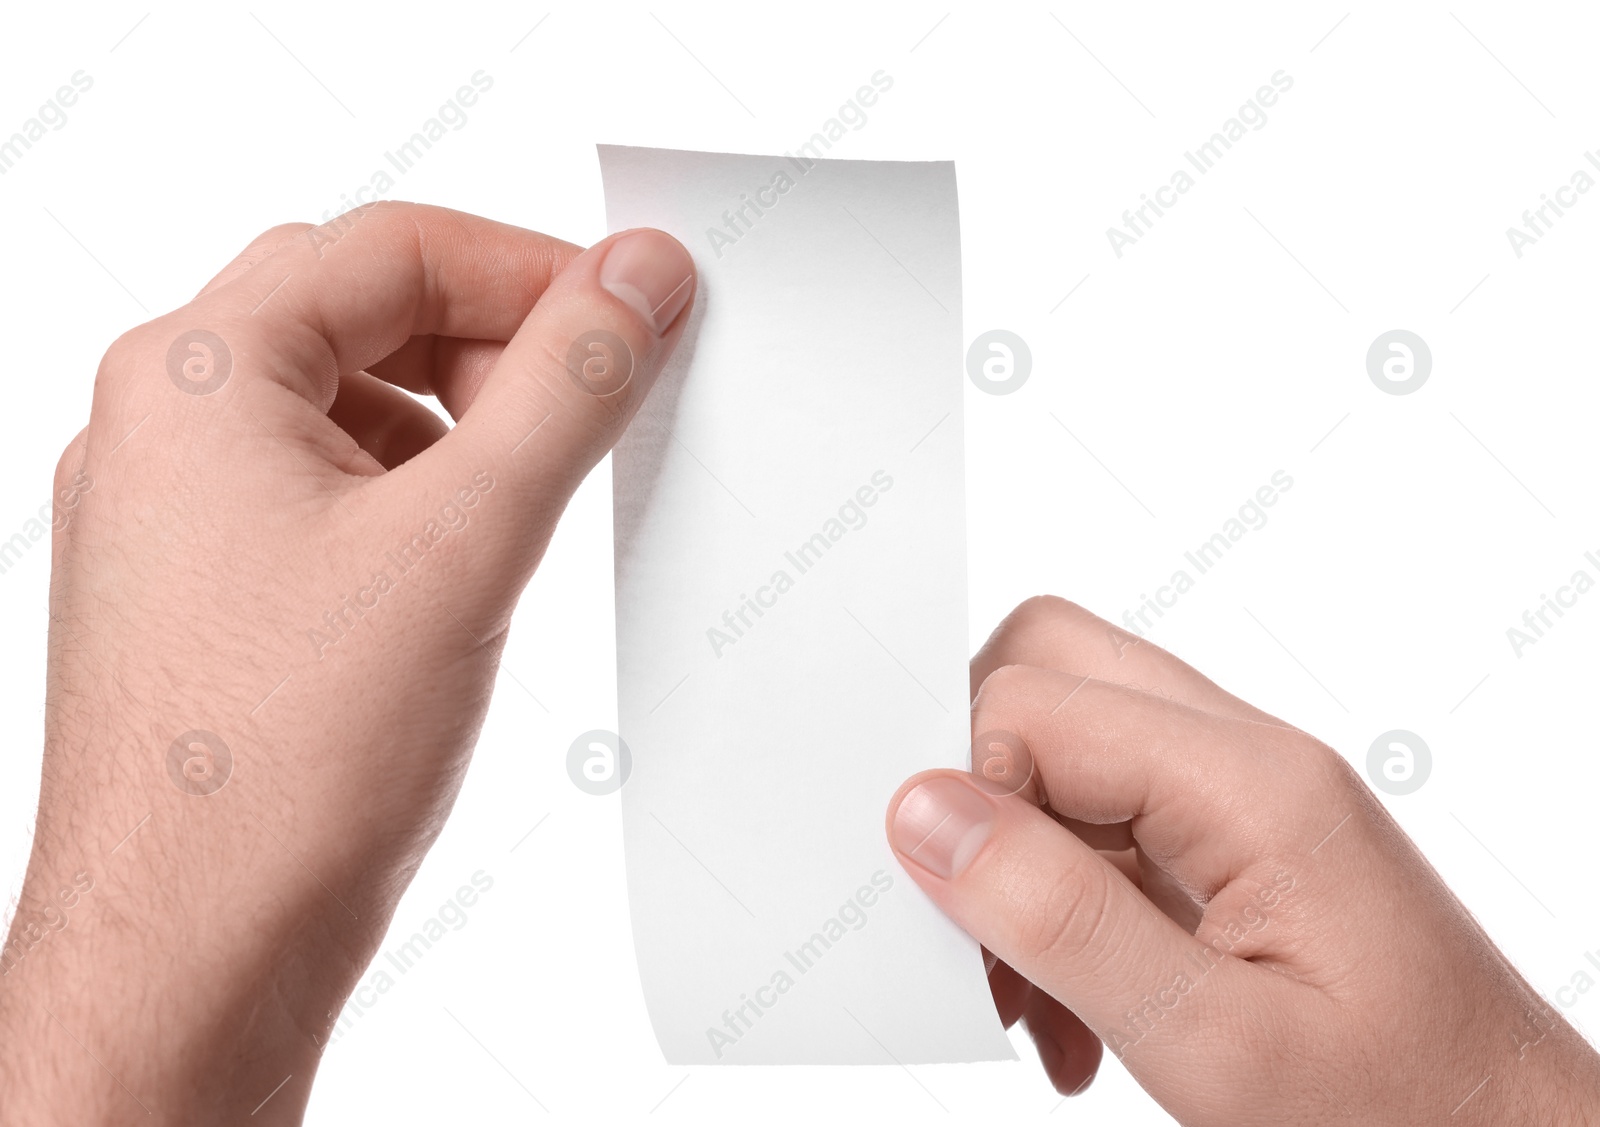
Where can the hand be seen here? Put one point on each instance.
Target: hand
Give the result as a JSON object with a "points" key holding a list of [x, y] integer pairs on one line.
{"points": [[1217, 897], [280, 591]]}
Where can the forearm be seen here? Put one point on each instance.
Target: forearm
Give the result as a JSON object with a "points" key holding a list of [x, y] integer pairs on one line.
{"points": [[134, 1008]]}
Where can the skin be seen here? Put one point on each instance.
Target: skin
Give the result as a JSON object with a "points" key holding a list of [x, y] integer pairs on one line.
{"points": [[216, 531], [235, 792], [1218, 898]]}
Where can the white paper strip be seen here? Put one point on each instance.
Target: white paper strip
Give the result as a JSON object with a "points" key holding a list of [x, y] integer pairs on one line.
{"points": [[791, 612]]}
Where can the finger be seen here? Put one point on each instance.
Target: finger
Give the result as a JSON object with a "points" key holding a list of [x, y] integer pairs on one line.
{"points": [[1009, 989], [1052, 633], [263, 245], [69, 465], [561, 394], [1068, 1049], [1163, 890], [448, 368], [348, 294], [1202, 792], [1040, 899], [1002, 764], [385, 422], [72, 479]]}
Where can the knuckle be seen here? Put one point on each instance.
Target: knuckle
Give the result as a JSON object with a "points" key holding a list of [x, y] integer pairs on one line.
{"points": [[1068, 918], [68, 463], [548, 362], [392, 218], [125, 352], [1314, 771], [375, 222], [598, 415], [395, 207], [1002, 684], [1018, 682], [270, 241], [124, 358], [272, 237], [544, 387], [1329, 770], [1051, 630], [1045, 611], [71, 481]]}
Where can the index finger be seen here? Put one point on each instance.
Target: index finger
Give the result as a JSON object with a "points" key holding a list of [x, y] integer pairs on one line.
{"points": [[352, 291], [1052, 633]]}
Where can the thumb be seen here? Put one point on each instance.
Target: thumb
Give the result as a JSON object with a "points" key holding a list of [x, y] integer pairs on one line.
{"points": [[1051, 907], [560, 396]]}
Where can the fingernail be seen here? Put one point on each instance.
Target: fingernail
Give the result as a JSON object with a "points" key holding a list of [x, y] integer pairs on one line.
{"points": [[652, 273], [941, 824]]}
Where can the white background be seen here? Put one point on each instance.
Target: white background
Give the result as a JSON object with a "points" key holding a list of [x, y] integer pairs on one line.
{"points": [[1227, 344]]}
